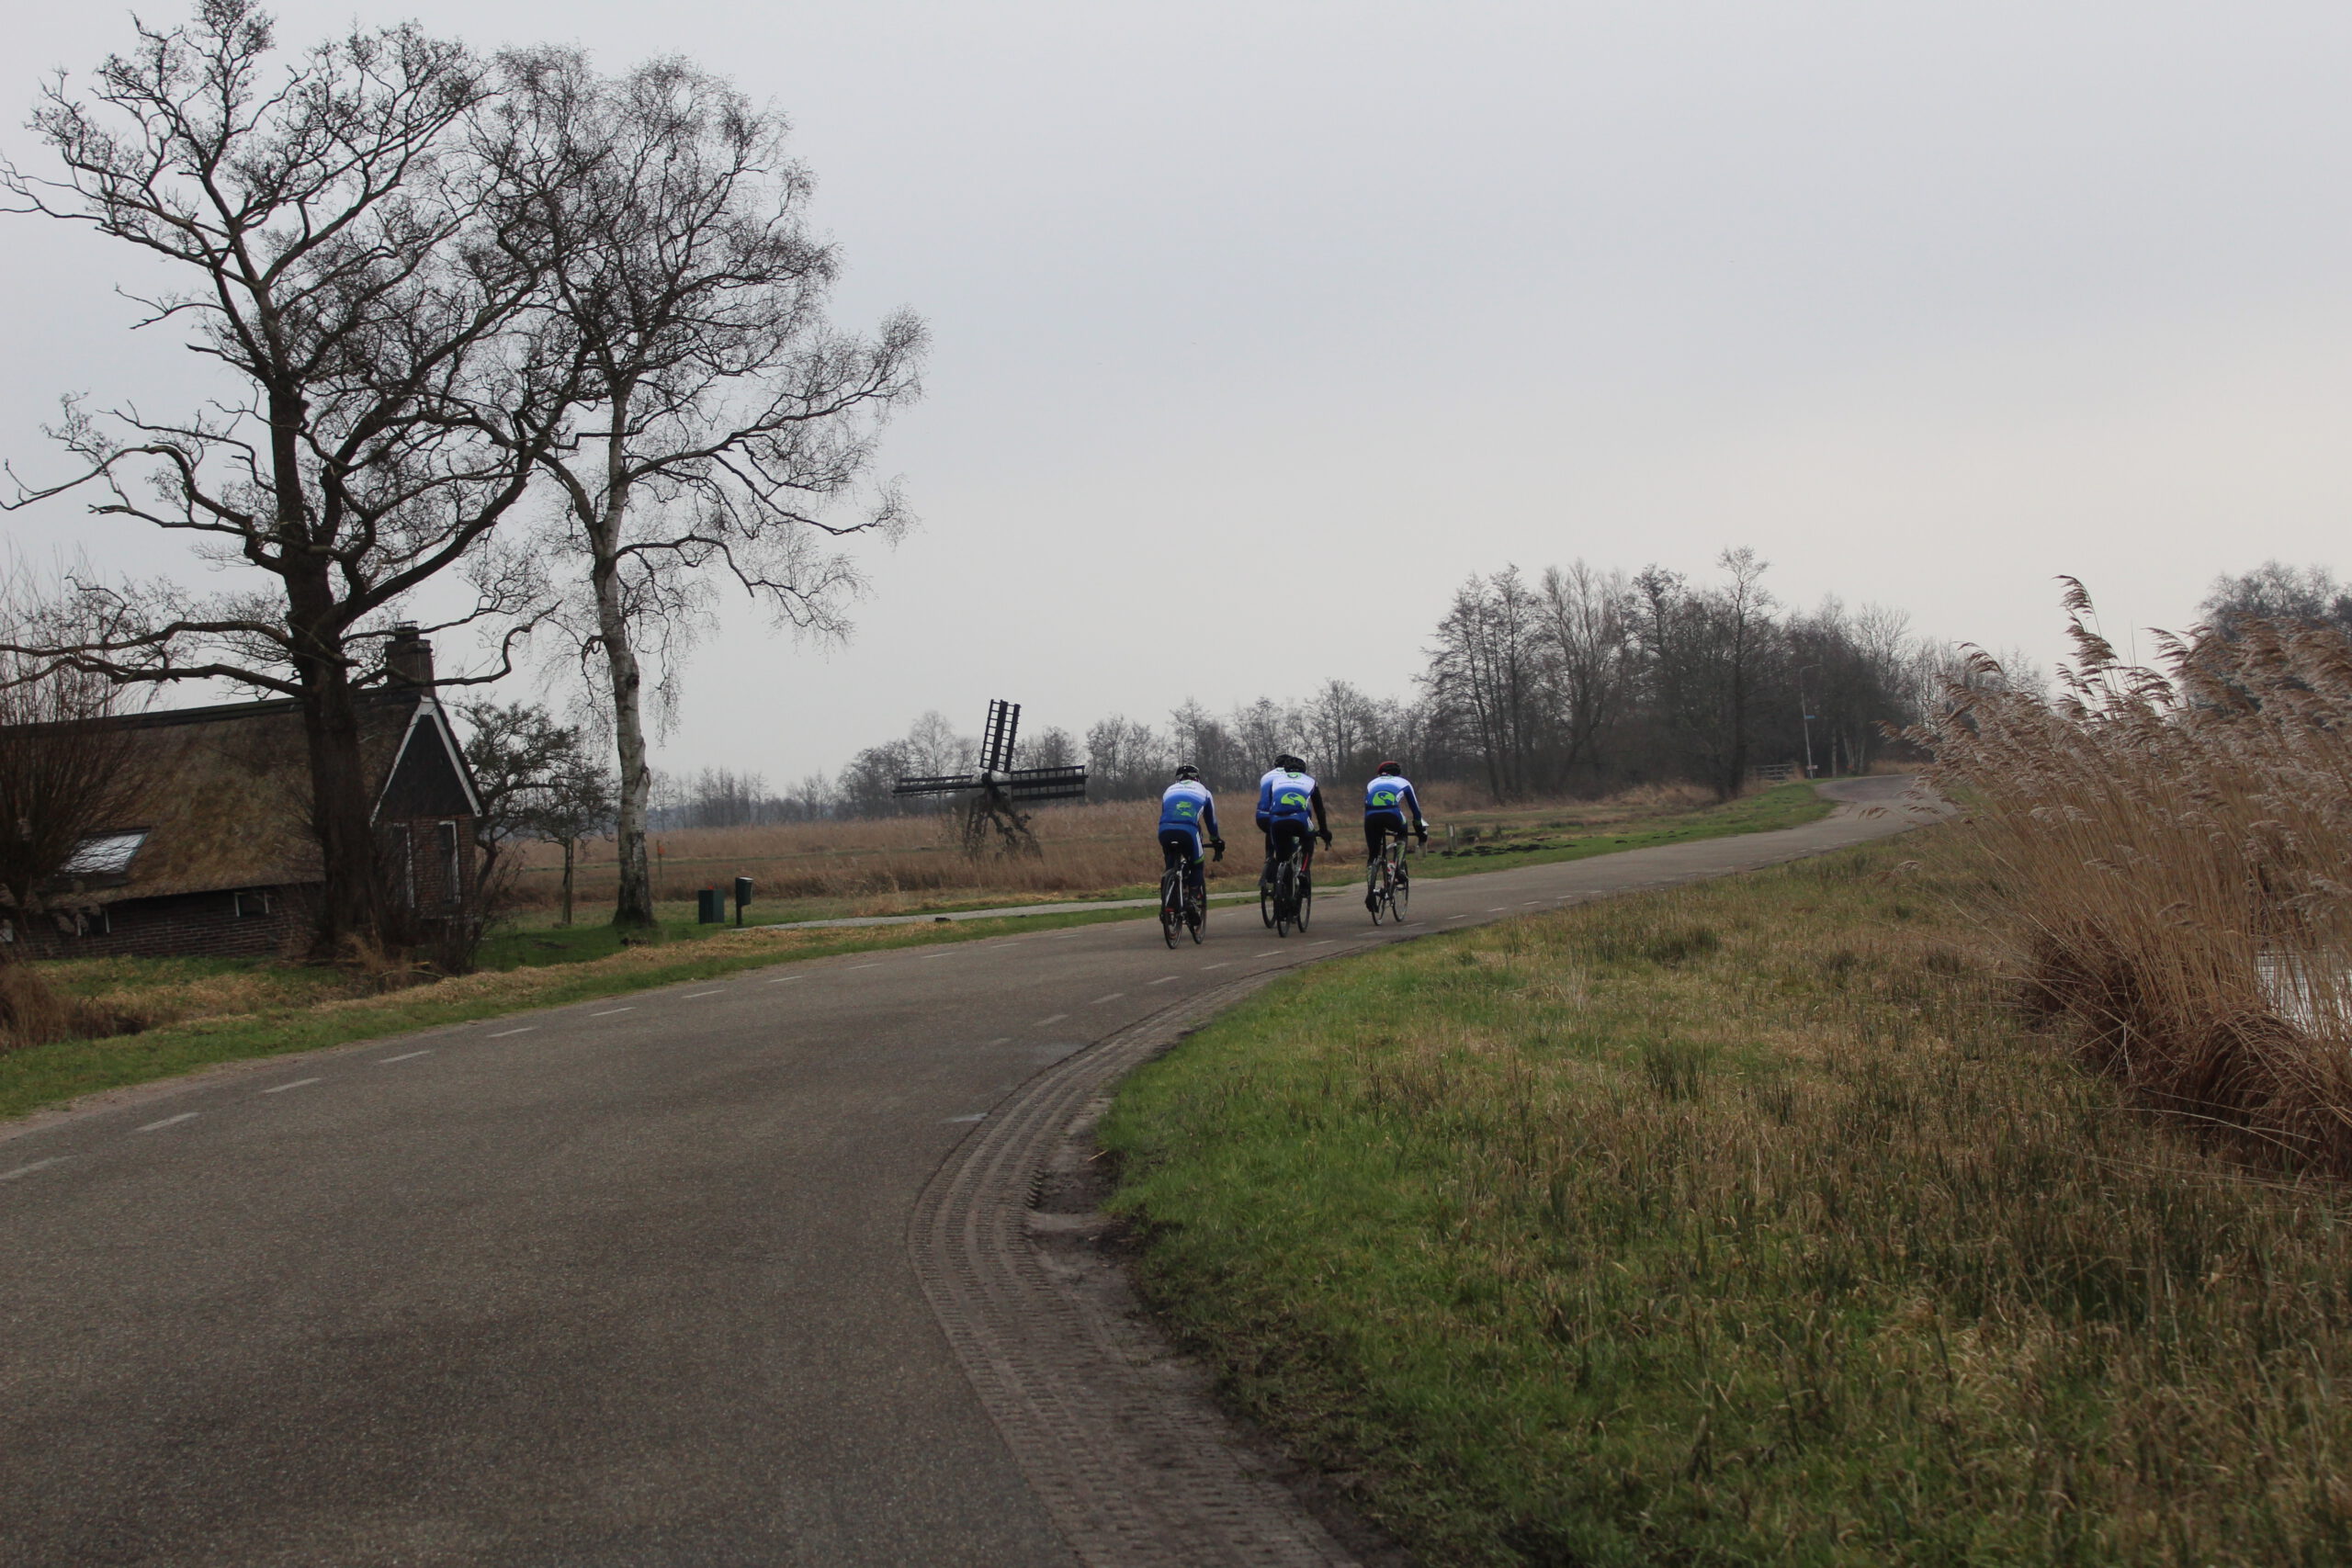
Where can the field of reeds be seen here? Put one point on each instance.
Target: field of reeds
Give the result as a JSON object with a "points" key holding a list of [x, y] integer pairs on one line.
{"points": [[889, 865], [1748, 1223], [2168, 852]]}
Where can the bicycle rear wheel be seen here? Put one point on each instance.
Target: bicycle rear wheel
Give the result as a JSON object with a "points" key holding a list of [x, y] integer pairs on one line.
{"points": [[1376, 888], [1286, 898], [1196, 915], [1305, 897], [1171, 904], [1400, 893]]}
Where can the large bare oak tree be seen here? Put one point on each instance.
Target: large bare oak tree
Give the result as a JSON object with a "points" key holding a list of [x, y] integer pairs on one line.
{"points": [[388, 402]]}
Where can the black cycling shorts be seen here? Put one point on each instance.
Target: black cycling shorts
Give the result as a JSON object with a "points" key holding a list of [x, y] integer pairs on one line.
{"points": [[1178, 846], [1377, 826]]}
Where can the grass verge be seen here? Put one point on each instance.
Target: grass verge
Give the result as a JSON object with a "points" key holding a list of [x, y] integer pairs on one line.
{"points": [[1740, 1223], [45, 1074]]}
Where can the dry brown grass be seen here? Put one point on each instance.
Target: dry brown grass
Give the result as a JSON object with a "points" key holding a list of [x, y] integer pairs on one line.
{"points": [[34, 1012], [2167, 849]]}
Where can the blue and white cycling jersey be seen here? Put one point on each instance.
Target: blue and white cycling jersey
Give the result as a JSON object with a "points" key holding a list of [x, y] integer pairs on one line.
{"points": [[1188, 805], [1286, 797], [1391, 795]]}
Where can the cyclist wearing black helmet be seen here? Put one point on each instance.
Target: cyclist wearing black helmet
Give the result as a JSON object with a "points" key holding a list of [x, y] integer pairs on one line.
{"points": [[1188, 814], [1389, 803], [1290, 807]]}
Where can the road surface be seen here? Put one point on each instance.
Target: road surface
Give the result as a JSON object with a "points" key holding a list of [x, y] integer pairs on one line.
{"points": [[651, 1281]]}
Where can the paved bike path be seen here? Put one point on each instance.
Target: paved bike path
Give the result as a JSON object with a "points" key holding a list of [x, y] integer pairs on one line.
{"points": [[624, 1282]]}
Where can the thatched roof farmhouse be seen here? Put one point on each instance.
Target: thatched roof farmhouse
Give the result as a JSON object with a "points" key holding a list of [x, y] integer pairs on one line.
{"points": [[216, 856]]}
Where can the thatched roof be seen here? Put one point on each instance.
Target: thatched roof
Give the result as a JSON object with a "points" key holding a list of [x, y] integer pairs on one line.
{"points": [[224, 793]]}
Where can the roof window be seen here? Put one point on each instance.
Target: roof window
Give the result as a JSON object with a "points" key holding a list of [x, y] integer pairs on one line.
{"points": [[104, 854]]}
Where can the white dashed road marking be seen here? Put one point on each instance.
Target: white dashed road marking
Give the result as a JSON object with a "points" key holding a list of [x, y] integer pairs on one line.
{"points": [[403, 1056], [786, 979], [172, 1120], [1002, 1039], [1163, 979], [298, 1083], [974, 1116], [1114, 997], [610, 1011], [504, 1032], [37, 1165], [1227, 964], [692, 995], [1056, 1019], [866, 967]]}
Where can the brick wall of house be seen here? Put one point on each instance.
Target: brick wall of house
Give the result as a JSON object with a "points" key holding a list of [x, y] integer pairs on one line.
{"points": [[186, 925]]}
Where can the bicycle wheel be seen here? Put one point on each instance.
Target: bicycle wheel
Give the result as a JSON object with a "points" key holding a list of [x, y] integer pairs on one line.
{"points": [[1306, 897], [1266, 901], [1376, 888], [1171, 904], [1196, 915], [1286, 898], [1400, 892]]}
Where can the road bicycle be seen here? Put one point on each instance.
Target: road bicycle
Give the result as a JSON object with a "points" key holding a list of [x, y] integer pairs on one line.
{"points": [[1289, 900], [1387, 887], [1184, 901]]}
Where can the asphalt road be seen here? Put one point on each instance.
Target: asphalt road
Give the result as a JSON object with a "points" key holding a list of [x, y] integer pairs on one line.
{"points": [[625, 1283]]}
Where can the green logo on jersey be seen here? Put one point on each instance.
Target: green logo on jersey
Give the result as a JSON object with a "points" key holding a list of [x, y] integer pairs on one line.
{"points": [[1292, 798], [1186, 807], [1385, 797]]}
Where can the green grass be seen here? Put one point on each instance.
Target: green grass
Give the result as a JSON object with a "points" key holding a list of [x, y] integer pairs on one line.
{"points": [[38, 1076], [1739, 1225]]}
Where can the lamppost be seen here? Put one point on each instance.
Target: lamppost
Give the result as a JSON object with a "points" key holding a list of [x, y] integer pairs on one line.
{"points": [[1806, 716]]}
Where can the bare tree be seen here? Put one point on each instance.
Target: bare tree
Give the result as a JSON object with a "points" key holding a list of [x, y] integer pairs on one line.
{"points": [[536, 778], [727, 418], [1588, 638], [69, 770], [387, 415], [575, 801], [1487, 668]]}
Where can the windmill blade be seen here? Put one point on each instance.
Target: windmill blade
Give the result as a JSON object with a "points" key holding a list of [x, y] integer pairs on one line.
{"points": [[1046, 784], [936, 784]]}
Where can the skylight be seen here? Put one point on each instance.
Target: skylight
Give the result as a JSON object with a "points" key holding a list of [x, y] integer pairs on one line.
{"points": [[104, 854]]}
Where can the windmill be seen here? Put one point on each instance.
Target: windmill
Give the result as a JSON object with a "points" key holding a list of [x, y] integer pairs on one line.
{"points": [[997, 789]]}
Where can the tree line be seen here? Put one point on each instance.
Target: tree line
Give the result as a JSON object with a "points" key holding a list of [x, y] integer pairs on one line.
{"points": [[502, 343], [1574, 681]]}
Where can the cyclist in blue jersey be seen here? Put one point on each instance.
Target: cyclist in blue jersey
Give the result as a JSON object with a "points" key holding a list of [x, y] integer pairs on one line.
{"points": [[1290, 807], [1389, 803], [1187, 815]]}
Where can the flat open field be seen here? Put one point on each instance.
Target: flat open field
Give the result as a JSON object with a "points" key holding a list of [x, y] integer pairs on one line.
{"points": [[907, 864]]}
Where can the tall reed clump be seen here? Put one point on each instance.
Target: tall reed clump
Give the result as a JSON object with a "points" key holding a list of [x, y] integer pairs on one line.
{"points": [[2171, 848]]}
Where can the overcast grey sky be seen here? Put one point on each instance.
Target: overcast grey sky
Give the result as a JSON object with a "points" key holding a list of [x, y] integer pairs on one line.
{"points": [[1259, 327]]}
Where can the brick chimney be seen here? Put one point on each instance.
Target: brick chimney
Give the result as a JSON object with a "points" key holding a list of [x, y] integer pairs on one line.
{"points": [[408, 658]]}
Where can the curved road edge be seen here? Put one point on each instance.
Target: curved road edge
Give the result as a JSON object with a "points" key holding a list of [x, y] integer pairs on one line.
{"points": [[1113, 1427]]}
